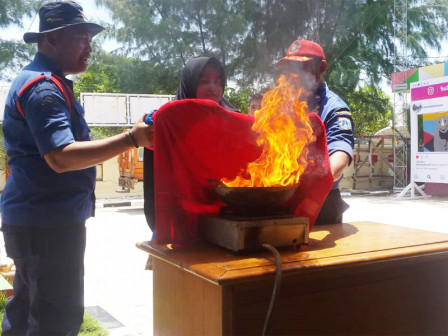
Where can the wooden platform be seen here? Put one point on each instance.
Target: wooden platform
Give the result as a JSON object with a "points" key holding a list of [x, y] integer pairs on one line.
{"points": [[358, 278]]}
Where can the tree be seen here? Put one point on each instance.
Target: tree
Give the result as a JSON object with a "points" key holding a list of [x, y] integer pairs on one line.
{"points": [[14, 54], [239, 98], [169, 32], [250, 35], [12, 11], [114, 73], [371, 110]]}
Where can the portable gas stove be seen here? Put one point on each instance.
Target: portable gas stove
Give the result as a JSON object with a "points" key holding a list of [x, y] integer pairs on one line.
{"points": [[239, 231]]}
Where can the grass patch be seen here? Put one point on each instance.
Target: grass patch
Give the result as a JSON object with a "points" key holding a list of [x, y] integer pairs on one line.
{"points": [[90, 326], [3, 300]]}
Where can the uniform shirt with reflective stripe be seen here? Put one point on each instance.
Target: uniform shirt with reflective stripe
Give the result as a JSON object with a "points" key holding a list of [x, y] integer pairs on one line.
{"points": [[337, 118], [34, 194]]}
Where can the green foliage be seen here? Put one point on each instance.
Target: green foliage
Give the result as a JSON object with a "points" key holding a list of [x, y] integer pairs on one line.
{"points": [[2, 149], [101, 132], [114, 73], [89, 327], [3, 157], [169, 32], [93, 81], [239, 99], [3, 299], [249, 36], [12, 11], [13, 54], [371, 110]]}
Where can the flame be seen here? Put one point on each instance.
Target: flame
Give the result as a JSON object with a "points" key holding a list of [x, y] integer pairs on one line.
{"points": [[283, 130]]}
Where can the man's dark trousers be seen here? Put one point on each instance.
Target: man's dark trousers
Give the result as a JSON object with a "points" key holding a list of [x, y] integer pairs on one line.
{"points": [[49, 280]]}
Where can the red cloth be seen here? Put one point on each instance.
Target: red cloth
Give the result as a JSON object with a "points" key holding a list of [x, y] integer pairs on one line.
{"points": [[195, 140]]}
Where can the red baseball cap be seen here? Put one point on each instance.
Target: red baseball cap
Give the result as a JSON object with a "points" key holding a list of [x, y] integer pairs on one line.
{"points": [[303, 50]]}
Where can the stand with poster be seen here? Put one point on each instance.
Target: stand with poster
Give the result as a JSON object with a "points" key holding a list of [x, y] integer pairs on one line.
{"points": [[411, 188], [429, 134]]}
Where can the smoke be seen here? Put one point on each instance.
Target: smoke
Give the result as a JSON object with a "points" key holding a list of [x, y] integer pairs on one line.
{"points": [[304, 76], [307, 82]]}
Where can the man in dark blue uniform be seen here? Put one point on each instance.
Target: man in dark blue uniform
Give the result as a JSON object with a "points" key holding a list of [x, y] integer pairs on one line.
{"points": [[307, 59], [50, 192]]}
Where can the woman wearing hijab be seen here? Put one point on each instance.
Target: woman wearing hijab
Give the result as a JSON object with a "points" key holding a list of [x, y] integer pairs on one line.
{"points": [[204, 78], [201, 78]]}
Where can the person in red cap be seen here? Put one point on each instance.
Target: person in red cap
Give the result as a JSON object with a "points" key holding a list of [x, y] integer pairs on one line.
{"points": [[50, 193], [307, 59]]}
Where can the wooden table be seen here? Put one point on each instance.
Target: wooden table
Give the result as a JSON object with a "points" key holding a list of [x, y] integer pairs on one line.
{"points": [[352, 279]]}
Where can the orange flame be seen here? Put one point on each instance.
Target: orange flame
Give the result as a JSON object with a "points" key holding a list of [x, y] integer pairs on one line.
{"points": [[283, 130]]}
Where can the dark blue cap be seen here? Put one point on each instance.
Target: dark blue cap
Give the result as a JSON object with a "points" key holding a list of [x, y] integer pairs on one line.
{"points": [[60, 14]]}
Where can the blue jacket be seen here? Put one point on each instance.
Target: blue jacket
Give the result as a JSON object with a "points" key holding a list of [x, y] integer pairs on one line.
{"points": [[337, 118], [35, 195]]}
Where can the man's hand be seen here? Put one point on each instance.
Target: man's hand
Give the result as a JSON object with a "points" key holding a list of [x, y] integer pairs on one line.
{"points": [[142, 132]]}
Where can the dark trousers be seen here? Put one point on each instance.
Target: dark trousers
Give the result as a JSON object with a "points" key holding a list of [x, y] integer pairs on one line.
{"points": [[148, 188], [332, 209], [49, 280]]}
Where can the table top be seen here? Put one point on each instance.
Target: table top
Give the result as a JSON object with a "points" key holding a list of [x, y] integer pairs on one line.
{"points": [[330, 245]]}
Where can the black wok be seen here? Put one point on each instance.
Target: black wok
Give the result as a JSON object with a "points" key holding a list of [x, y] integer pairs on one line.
{"points": [[253, 197]]}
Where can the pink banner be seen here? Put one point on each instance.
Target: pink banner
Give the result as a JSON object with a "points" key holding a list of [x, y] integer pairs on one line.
{"points": [[429, 92]]}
